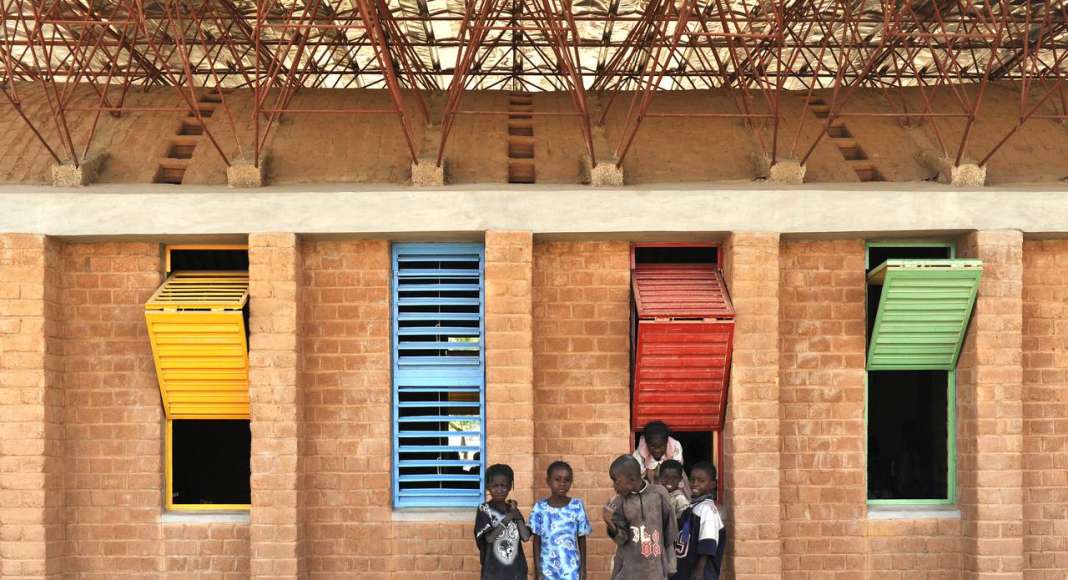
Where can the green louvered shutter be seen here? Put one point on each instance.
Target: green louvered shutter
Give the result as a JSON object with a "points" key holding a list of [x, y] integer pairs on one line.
{"points": [[923, 313]]}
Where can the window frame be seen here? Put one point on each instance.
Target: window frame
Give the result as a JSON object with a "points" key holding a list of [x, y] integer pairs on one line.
{"points": [[169, 481], [951, 395], [446, 247]]}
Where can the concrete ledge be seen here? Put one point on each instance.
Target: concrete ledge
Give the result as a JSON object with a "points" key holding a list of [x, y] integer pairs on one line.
{"points": [[916, 209], [912, 512], [67, 175], [426, 173], [227, 517], [963, 175], [432, 515], [241, 174]]}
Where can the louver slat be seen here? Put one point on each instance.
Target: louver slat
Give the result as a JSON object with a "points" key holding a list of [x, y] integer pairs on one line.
{"points": [[923, 313], [683, 347], [197, 330], [438, 375]]}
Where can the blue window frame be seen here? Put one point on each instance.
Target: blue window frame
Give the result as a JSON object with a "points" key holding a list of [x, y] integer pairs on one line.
{"points": [[439, 379]]}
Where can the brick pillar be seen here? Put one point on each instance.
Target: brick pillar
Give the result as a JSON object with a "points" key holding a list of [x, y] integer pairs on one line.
{"points": [[989, 391], [751, 437], [31, 407], [510, 358], [274, 283]]}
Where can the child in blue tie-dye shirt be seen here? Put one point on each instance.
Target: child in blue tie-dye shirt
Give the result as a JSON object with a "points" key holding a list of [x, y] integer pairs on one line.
{"points": [[560, 527]]}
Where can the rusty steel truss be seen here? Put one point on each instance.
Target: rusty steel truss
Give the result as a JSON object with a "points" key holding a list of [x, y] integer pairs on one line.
{"points": [[622, 51]]}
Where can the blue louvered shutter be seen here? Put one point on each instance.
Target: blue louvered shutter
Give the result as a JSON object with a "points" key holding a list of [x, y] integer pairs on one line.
{"points": [[438, 375]]}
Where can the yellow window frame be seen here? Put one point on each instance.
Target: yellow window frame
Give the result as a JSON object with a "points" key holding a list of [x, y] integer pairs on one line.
{"points": [[169, 472]]}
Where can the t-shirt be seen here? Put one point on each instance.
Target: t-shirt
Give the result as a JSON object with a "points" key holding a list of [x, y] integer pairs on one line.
{"points": [[701, 532], [647, 527], [501, 559], [559, 530]]}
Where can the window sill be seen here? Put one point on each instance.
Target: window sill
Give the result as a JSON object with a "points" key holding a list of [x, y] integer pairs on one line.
{"points": [[446, 515], [912, 512], [205, 517]]}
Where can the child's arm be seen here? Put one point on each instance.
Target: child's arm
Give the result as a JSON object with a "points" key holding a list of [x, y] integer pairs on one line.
{"points": [[582, 557], [517, 516], [608, 514], [537, 557]]}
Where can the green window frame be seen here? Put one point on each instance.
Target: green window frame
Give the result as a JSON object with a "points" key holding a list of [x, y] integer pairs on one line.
{"points": [[951, 399]]}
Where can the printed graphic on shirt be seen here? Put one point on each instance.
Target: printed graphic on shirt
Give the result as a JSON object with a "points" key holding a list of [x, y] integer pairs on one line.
{"points": [[650, 541]]}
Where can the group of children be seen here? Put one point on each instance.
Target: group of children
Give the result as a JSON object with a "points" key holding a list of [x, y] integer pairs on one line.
{"points": [[665, 525]]}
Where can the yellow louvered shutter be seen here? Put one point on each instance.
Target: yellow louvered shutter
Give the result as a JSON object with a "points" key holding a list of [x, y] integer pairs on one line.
{"points": [[196, 326]]}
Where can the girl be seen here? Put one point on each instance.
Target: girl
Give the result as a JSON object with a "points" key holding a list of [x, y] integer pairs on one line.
{"points": [[560, 526], [500, 530]]}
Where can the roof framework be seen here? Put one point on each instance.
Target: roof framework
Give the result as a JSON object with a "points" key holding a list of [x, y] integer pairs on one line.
{"points": [[625, 51]]}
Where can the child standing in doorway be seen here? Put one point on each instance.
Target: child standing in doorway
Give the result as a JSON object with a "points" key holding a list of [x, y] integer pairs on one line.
{"points": [[500, 530], [642, 524], [560, 527], [699, 548], [671, 476], [656, 446]]}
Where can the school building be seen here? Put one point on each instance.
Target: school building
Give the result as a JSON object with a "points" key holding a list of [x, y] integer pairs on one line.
{"points": [[279, 280]]}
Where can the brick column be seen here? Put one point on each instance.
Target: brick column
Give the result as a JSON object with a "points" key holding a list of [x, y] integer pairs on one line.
{"points": [[31, 407], [510, 358], [989, 392], [751, 437], [275, 534]]}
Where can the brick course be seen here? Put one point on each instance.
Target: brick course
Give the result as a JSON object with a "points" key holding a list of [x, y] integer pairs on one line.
{"points": [[581, 372], [1045, 409], [752, 434]]}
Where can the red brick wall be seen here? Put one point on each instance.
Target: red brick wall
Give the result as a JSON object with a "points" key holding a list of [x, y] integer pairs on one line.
{"points": [[581, 371], [752, 436], [914, 549], [114, 428], [218, 551], [990, 411], [822, 392], [345, 337], [1045, 408], [31, 410]]}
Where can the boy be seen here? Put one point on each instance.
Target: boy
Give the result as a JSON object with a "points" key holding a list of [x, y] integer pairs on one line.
{"points": [[671, 475], [656, 446], [699, 548], [641, 522], [500, 530]]}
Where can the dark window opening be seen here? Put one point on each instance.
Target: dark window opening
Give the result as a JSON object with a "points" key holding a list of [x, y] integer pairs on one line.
{"points": [[209, 260], [676, 254], [210, 462], [907, 435], [878, 255]]}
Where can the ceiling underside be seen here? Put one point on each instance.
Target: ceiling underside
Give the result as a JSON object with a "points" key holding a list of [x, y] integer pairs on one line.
{"points": [[534, 44]]}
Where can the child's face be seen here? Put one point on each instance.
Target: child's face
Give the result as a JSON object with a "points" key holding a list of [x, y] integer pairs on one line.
{"points": [[499, 487], [560, 481], [670, 478], [702, 483], [624, 484], [657, 447]]}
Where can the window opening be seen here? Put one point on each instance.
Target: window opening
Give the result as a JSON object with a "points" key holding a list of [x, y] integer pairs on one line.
{"points": [[911, 443], [438, 375], [907, 435], [676, 254], [210, 463]]}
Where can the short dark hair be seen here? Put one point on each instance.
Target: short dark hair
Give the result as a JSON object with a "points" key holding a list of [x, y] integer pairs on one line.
{"points": [[626, 465], [656, 430], [671, 465], [704, 466], [499, 469], [559, 465]]}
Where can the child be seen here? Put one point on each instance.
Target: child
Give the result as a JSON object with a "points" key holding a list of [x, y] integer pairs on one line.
{"points": [[656, 446], [702, 534], [560, 526], [641, 522], [500, 530], [671, 474]]}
